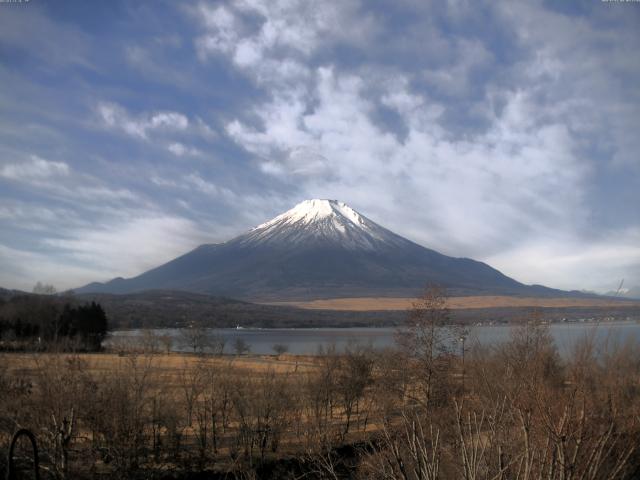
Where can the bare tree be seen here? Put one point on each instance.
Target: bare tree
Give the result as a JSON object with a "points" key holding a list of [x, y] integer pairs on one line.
{"points": [[63, 433], [196, 338], [192, 382], [320, 391], [354, 376], [167, 342], [530, 357], [241, 346], [407, 451], [44, 289], [280, 349], [217, 343], [428, 338], [150, 342]]}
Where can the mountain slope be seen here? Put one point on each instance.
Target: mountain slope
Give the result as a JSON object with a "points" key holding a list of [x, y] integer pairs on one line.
{"points": [[318, 249]]}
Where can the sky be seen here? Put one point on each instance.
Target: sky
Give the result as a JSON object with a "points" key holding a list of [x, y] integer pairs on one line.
{"points": [[131, 132]]}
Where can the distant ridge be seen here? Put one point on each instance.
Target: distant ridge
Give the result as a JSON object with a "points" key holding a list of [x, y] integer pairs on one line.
{"points": [[320, 249]]}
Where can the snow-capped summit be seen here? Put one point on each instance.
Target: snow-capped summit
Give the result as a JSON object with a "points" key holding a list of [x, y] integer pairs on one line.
{"points": [[314, 210], [326, 221]]}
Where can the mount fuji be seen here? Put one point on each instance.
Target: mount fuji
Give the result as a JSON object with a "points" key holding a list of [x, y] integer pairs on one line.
{"points": [[319, 249]]}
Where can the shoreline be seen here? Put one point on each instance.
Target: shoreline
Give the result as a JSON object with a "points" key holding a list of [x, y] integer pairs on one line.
{"points": [[373, 327]]}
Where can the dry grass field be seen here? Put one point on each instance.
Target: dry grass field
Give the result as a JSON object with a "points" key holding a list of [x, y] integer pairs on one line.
{"points": [[378, 303], [167, 366]]}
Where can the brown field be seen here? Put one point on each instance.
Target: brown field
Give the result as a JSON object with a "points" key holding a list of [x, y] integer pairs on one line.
{"points": [[166, 366], [378, 303]]}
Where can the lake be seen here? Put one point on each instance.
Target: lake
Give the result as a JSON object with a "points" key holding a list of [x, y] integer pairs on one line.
{"points": [[304, 341]]}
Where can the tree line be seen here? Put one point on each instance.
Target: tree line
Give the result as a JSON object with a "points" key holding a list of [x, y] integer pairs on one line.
{"points": [[39, 321]]}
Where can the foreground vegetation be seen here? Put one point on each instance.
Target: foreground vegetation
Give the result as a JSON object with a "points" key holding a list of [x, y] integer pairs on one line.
{"points": [[516, 411]]}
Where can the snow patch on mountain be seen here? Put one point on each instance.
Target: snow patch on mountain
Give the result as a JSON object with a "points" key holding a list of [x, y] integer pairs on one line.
{"points": [[327, 220], [314, 210]]}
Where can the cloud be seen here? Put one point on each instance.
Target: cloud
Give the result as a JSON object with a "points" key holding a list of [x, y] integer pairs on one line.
{"points": [[130, 247], [170, 120], [157, 125], [454, 79], [195, 182], [287, 35], [163, 182], [57, 181], [208, 188], [98, 193], [568, 263], [117, 248], [116, 117], [35, 217], [181, 150], [582, 69], [34, 168], [223, 30], [19, 270], [299, 161]]}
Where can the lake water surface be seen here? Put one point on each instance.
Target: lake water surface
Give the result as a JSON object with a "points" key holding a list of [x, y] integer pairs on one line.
{"points": [[307, 340]]}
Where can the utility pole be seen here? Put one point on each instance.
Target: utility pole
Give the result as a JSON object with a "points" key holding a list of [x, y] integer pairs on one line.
{"points": [[462, 340]]}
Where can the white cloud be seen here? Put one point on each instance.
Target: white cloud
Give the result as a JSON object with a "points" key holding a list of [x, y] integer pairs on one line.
{"points": [[85, 254], [584, 70], [177, 149], [223, 27], [157, 124], [571, 262], [303, 161], [34, 168], [181, 150], [170, 120], [163, 182], [57, 180], [454, 78], [208, 188], [130, 247], [297, 28], [202, 128], [116, 117], [99, 193], [37, 217], [21, 269]]}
